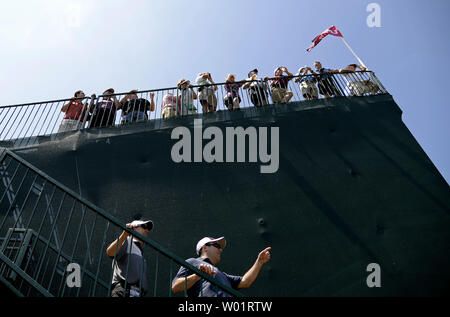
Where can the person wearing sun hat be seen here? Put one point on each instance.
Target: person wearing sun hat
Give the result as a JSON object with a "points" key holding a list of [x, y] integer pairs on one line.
{"points": [[210, 251], [105, 110], [186, 97], [129, 266]]}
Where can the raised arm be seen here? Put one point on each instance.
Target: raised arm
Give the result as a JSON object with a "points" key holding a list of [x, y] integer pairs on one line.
{"points": [[91, 109], [287, 72], [152, 101], [194, 95], [253, 272], [124, 100], [117, 244], [66, 106], [363, 68], [316, 76], [212, 82], [117, 104]]}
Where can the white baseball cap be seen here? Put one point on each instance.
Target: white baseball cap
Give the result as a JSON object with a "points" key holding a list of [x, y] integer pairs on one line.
{"points": [[277, 69], [138, 223], [222, 241]]}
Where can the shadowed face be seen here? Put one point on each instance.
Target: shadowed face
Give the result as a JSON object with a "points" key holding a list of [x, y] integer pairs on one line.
{"points": [[143, 230], [80, 94], [107, 95], [231, 78], [212, 251]]}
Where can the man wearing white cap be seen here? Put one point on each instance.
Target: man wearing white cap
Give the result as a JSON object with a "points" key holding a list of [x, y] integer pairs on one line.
{"points": [[209, 251], [129, 265]]}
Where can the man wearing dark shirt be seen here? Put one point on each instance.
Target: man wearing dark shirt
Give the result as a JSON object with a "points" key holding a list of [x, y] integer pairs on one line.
{"points": [[210, 251], [105, 110], [135, 109], [130, 267], [326, 83]]}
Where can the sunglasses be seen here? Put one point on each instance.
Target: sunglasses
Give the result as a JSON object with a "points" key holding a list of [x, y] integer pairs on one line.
{"points": [[146, 227], [216, 245]]}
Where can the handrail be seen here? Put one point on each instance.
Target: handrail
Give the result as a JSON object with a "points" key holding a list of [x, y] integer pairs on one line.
{"points": [[167, 88], [41, 102], [19, 188], [21, 125], [25, 276]]}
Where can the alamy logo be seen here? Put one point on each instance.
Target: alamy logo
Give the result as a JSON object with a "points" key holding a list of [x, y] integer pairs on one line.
{"points": [[74, 277], [374, 18], [374, 278], [214, 151]]}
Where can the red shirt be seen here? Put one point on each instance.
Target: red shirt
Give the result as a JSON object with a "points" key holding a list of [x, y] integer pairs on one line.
{"points": [[75, 110]]}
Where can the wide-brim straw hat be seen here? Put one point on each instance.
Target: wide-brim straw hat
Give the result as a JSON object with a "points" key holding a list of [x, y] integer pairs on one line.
{"points": [[183, 81], [111, 90]]}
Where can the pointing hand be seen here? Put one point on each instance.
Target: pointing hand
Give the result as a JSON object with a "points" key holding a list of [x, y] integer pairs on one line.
{"points": [[264, 255]]}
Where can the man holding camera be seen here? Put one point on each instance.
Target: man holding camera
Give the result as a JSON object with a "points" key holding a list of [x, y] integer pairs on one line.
{"points": [[207, 92], [129, 266]]}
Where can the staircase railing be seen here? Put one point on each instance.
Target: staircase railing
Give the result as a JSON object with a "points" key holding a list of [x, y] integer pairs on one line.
{"points": [[54, 241]]}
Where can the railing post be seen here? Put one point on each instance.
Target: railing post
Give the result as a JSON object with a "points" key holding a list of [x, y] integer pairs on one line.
{"points": [[88, 111]]}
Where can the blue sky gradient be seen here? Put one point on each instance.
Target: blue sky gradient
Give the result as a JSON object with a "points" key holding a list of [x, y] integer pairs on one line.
{"points": [[51, 48]]}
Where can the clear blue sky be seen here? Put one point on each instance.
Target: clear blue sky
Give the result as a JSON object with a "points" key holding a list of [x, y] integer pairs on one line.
{"points": [[51, 48]]}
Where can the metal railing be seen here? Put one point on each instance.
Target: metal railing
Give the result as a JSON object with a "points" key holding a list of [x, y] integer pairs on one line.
{"points": [[47, 231], [21, 125]]}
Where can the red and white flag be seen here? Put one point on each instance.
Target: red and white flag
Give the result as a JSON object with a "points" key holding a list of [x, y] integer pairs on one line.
{"points": [[331, 31]]}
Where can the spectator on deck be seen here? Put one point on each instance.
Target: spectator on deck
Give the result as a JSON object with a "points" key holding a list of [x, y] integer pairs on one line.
{"points": [[357, 82], [186, 97], [232, 99], [206, 93], [169, 106], [326, 82], [279, 85], [105, 110], [135, 109], [307, 83], [75, 112], [257, 89]]}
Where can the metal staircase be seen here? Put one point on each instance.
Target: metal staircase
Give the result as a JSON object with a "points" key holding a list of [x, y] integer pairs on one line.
{"points": [[45, 226]]}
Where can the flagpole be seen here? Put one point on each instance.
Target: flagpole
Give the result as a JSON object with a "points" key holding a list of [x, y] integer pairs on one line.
{"points": [[351, 50]]}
